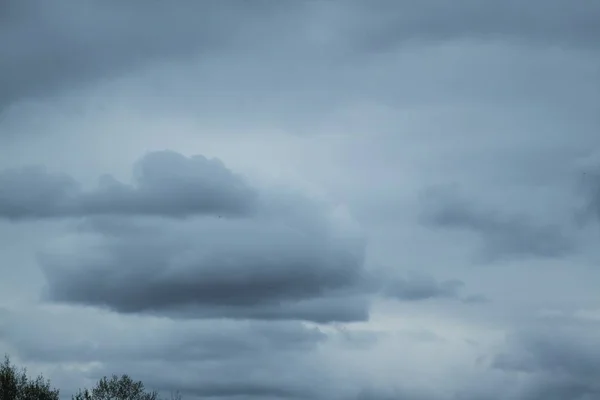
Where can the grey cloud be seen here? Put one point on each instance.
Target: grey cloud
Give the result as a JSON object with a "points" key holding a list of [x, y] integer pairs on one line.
{"points": [[100, 338], [212, 358], [375, 393], [421, 286], [357, 338], [293, 258], [211, 305], [476, 298], [53, 47], [554, 22], [248, 389], [165, 183], [422, 335], [50, 47], [561, 389], [590, 186], [31, 192], [322, 309], [561, 363], [558, 350], [270, 376], [201, 269], [503, 235]]}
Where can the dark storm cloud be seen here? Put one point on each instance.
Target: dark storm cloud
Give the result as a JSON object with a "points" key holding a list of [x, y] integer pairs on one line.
{"points": [[291, 258], [562, 362], [165, 183], [421, 286], [503, 235], [199, 269]]}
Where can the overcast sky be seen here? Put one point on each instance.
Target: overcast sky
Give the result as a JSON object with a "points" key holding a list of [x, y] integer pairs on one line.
{"points": [[303, 199]]}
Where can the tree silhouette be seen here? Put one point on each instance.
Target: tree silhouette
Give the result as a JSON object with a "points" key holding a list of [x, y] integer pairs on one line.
{"points": [[115, 388], [15, 385]]}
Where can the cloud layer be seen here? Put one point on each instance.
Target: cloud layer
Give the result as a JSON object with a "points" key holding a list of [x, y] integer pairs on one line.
{"points": [[120, 37], [394, 199], [563, 362], [502, 235], [222, 358], [241, 252]]}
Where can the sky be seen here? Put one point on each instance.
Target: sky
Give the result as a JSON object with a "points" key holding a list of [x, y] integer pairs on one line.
{"points": [[307, 199]]}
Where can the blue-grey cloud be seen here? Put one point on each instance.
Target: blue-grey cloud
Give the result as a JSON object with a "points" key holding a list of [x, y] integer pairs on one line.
{"points": [[562, 362], [165, 184], [52, 47], [49, 48], [421, 286], [553, 22], [502, 234], [290, 258]]}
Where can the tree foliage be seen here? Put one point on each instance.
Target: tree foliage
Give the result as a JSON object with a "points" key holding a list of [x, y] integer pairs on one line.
{"points": [[15, 385], [117, 388]]}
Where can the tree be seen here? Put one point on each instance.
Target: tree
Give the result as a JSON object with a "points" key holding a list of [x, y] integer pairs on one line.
{"points": [[15, 385], [115, 388]]}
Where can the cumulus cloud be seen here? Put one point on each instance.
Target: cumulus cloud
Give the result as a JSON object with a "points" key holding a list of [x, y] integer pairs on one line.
{"points": [[207, 270], [191, 239], [165, 184], [279, 255], [502, 234]]}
